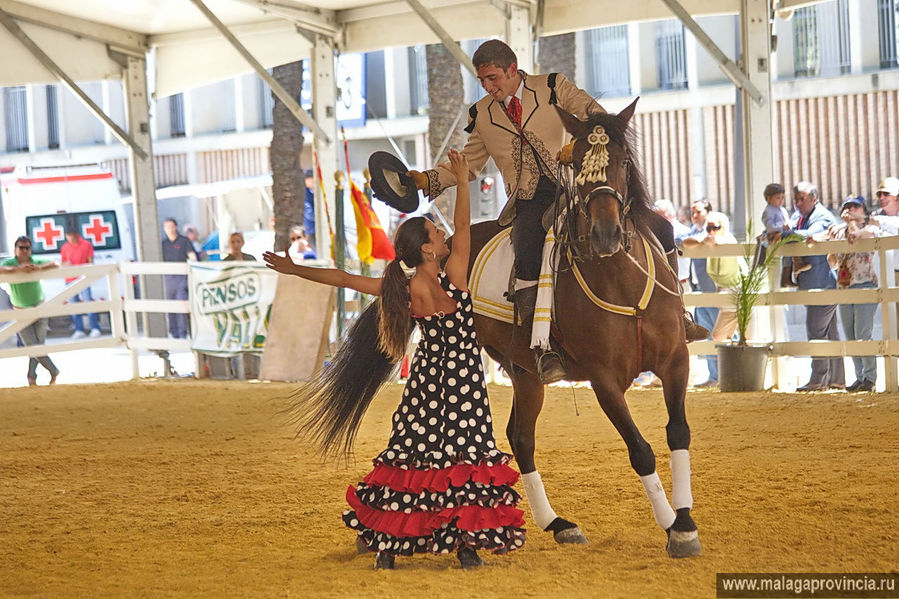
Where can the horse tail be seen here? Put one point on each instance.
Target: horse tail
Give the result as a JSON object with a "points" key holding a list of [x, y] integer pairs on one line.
{"points": [[329, 409]]}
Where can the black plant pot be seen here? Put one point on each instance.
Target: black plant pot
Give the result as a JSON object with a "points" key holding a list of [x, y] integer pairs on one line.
{"points": [[742, 367]]}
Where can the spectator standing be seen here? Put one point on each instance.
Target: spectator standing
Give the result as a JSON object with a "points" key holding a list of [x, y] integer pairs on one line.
{"points": [[888, 197], [76, 251], [724, 272], [193, 235], [812, 218], [29, 295], [176, 248], [235, 245], [700, 280], [300, 248], [309, 207], [856, 271]]}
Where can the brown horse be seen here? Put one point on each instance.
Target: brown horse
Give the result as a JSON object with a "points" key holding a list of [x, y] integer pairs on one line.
{"points": [[604, 242]]}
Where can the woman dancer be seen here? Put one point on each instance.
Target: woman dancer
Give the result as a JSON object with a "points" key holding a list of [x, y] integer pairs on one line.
{"points": [[441, 484]]}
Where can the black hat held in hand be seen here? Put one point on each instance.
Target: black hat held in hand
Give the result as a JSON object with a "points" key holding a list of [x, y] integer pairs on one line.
{"points": [[391, 184]]}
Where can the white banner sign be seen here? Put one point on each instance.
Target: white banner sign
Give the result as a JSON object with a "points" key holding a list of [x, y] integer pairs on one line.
{"points": [[230, 305]]}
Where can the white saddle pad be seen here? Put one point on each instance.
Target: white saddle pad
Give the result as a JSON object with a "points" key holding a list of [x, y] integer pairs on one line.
{"points": [[490, 278]]}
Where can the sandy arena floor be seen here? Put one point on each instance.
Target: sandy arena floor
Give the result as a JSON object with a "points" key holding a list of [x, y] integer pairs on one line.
{"points": [[186, 489]]}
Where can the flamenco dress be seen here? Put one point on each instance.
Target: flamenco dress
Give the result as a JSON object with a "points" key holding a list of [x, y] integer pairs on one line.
{"points": [[441, 484]]}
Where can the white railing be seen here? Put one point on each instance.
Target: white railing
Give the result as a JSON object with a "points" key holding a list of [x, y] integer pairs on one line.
{"points": [[771, 328], [768, 324], [55, 305], [124, 310]]}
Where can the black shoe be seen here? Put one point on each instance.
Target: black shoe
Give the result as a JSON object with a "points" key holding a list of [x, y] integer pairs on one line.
{"points": [[854, 386], [549, 366], [384, 561], [469, 558], [865, 387], [811, 387]]}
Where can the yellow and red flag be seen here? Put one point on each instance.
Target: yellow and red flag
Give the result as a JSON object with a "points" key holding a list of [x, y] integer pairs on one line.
{"points": [[371, 240]]}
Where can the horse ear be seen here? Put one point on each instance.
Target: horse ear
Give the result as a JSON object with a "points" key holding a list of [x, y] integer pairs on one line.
{"points": [[573, 125], [626, 114]]}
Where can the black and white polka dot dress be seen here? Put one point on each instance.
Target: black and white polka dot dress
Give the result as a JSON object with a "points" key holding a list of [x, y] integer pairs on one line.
{"points": [[441, 484]]}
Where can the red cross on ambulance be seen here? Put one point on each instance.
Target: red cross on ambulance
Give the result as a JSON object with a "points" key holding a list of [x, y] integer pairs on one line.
{"points": [[49, 234], [97, 230]]}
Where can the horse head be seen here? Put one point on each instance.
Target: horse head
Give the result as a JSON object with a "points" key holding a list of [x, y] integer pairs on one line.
{"points": [[601, 157]]}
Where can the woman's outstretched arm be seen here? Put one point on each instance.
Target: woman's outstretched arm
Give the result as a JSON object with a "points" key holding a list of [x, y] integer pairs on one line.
{"points": [[457, 263], [327, 276]]}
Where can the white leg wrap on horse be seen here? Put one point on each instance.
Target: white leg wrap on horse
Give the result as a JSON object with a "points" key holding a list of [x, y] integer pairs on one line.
{"points": [[681, 494], [540, 509], [661, 509]]}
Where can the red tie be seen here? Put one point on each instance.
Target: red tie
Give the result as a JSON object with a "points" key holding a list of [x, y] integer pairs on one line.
{"points": [[514, 111]]}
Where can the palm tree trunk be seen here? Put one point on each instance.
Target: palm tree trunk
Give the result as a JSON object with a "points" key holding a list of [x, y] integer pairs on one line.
{"points": [[557, 54], [447, 97], [288, 186]]}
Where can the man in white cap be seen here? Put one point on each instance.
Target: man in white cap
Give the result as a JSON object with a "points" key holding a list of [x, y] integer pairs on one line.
{"points": [[888, 198]]}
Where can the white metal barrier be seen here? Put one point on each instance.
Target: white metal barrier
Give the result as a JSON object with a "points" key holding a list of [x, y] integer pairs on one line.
{"points": [[771, 328]]}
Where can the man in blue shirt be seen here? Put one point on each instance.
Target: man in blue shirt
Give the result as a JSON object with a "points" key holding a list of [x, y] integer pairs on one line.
{"points": [[810, 219], [309, 208], [176, 248]]}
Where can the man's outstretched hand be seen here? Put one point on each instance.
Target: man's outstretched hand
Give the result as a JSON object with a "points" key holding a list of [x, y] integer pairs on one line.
{"points": [[420, 179]]}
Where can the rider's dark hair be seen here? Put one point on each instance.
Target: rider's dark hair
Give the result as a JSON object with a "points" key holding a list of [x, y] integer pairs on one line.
{"points": [[496, 53]]}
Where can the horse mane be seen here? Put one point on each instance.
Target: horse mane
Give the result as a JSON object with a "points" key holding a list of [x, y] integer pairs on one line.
{"points": [[623, 133]]}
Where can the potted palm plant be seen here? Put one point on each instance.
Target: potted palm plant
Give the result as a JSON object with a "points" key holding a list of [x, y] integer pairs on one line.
{"points": [[741, 365]]}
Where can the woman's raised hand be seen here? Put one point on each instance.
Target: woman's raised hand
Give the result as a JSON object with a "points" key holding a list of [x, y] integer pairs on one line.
{"points": [[282, 264], [459, 165]]}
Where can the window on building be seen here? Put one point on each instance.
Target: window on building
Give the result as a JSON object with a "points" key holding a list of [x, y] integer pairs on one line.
{"points": [[375, 85], [607, 68], [176, 114], [473, 89], [418, 80], [15, 108], [821, 39], [671, 55], [52, 118], [888, 30]]}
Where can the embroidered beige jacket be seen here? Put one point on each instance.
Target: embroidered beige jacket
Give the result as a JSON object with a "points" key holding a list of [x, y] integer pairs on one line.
{"points": [[493, 135]]}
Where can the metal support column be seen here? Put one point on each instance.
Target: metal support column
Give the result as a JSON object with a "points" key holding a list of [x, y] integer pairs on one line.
{"points": [[143, 185], [520, 35], [758, 114], [324, 111]]}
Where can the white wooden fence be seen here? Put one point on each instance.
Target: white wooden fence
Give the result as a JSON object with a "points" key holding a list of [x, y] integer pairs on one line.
{"points": [[768, 322]]}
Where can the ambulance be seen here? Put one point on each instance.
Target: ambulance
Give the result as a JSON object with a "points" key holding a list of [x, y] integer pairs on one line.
{"points": [[44, 202]]}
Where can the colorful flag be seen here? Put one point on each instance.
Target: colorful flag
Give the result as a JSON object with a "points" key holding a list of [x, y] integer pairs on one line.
{"points": [[372, 241]]}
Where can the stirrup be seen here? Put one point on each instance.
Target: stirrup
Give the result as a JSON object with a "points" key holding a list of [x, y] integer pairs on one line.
{"points": [[549, 366]]}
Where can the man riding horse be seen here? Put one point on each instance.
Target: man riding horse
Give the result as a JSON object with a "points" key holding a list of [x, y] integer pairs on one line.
{"points": [[517, 125]]}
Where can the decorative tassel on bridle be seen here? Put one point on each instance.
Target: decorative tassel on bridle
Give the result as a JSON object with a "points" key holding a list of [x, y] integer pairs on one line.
{"points": [[596, 160]]}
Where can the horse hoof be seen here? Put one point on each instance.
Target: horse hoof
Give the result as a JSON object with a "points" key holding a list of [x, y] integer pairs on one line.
{"points": [[683, 543], [571, 536]]}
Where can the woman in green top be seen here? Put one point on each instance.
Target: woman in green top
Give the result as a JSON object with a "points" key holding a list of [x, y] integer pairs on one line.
{"points": [[724, 271], [28, 295]]}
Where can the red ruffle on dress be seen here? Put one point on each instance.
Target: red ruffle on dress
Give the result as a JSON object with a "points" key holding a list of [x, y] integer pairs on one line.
{"points": [[441, 484]]}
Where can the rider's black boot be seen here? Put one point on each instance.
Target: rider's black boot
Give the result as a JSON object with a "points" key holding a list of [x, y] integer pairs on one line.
{"points": [[549, 363]]}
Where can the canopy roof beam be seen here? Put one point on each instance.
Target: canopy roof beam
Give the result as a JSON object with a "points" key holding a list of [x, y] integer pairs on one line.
{"points": [[444, 36], [727, 66], [126, 41], [317, 21], [13, 27], [291, 103]]}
